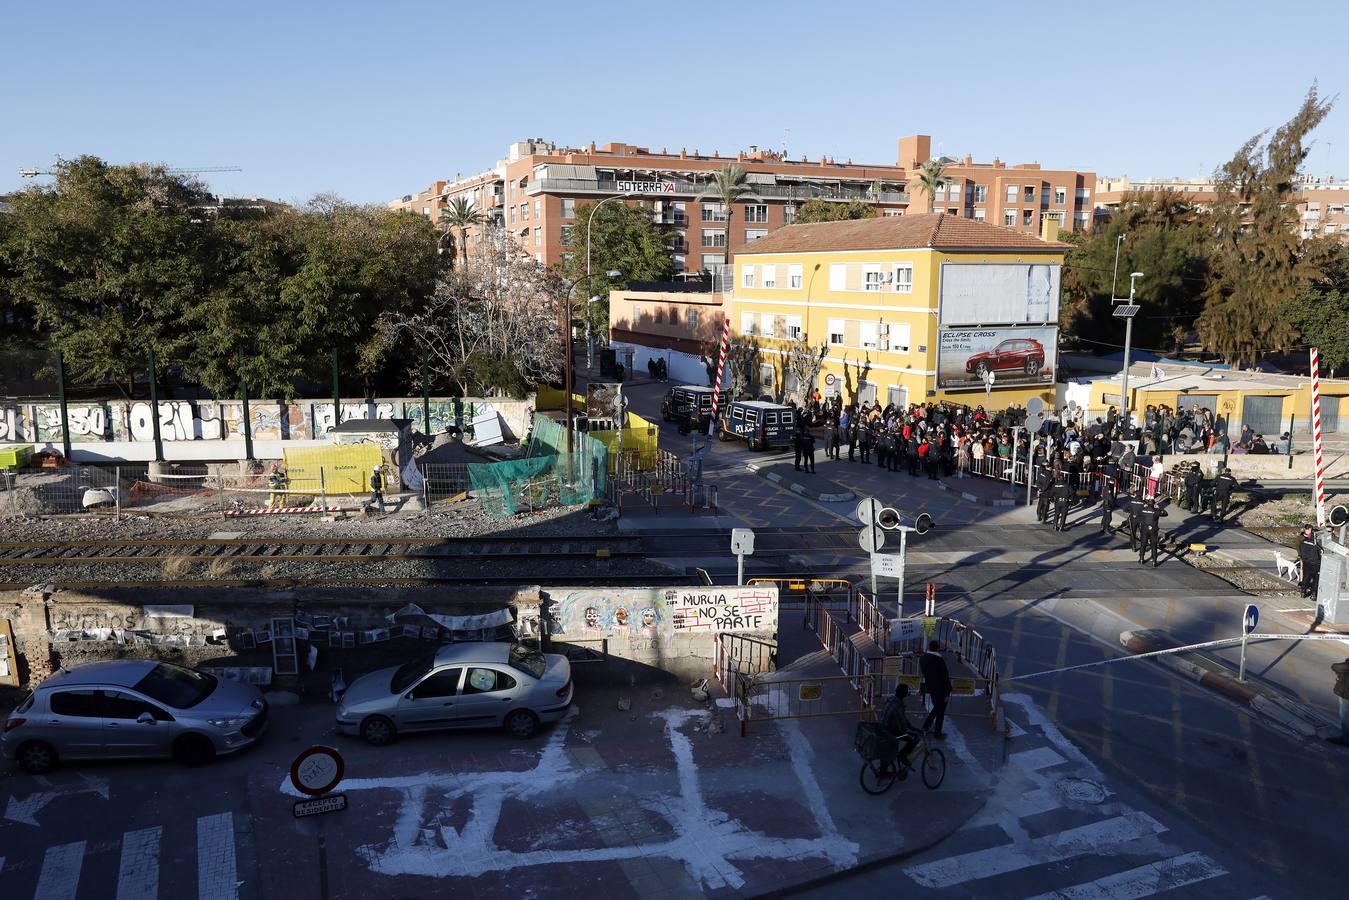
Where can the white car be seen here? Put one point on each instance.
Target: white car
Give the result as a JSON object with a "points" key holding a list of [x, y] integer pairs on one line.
{"points": [[470, 685]]}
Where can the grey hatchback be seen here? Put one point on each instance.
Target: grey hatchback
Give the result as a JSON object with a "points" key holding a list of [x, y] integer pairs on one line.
{"points": [[129, 708]]}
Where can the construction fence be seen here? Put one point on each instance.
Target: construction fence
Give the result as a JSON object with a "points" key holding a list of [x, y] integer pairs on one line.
{"points": [[548, 476]]}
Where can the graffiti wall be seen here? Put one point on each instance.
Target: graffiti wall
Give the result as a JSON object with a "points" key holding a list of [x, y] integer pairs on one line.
{"points": [[216, 420]]}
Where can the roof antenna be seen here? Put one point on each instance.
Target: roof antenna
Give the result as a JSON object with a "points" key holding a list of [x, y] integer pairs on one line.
{"points": [[785, 133]]}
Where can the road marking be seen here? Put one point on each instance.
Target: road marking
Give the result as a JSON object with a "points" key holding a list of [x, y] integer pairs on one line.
{"points": [[1054, 847], [216, 874], [138, 876], [60, 872], [1144, 881], [1036, 759], [1031, 803]]}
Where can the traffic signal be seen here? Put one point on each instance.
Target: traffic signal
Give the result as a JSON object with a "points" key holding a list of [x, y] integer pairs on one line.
{"points": [[923, 523], [1339, 515]]}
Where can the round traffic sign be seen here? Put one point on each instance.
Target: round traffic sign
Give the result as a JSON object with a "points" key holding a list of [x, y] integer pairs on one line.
{"points": [[868, 509], [1251, 618], [871, 539], [317, 770], [830, 379]]}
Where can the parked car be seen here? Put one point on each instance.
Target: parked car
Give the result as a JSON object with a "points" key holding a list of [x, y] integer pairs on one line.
{"points": [[762, 425], [1026, 354], [688, 405], [129, 708], [470, 685]]}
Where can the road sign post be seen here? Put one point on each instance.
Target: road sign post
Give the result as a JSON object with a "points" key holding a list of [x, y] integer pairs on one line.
{"points": [[742, 545], [1249, 619]]}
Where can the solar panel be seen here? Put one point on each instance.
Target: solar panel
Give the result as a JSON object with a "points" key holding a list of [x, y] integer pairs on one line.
{"points": [[1126, 311]]}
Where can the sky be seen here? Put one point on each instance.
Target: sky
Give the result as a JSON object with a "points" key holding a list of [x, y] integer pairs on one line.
{"points": [[375, 100]]}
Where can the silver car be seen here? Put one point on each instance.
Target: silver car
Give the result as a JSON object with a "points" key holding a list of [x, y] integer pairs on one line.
{"points": [[130, 708], [472, 685]]}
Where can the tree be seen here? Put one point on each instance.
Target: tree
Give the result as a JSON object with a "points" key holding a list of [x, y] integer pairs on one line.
{"points": [[743, 361], [460, 214], [932, 175], [804, 361], [1167, 238], [818, 210], [729, 185], [1320, 311], [624, 239], [1259, 262]]}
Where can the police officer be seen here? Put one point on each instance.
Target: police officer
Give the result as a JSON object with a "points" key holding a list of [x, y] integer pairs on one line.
{"points": [[864, 438], [1150, 531], [1108, 503], [1223, 486], [1193, 479], [1135, 518], [1044, 481], [1309, 554], [798, 445], [808, 449], [1063, 495], [885, 448]]}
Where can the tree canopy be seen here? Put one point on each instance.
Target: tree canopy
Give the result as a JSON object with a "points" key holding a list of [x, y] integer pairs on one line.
{"points": [[625, 239], [818, 210]]}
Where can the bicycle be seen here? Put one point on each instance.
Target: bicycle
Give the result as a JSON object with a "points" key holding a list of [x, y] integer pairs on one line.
{"points": [[880, 752]]}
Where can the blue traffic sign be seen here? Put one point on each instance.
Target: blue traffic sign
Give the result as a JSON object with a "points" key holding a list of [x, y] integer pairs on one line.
{"points": [[1251, 618]]}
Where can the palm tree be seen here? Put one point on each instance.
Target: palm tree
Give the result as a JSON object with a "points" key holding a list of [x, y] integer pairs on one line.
{"points": [[729, 185], [462, 215], [932, 175]]}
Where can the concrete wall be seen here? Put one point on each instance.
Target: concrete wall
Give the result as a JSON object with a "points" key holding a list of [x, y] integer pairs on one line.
{"points": [[200, 430]]}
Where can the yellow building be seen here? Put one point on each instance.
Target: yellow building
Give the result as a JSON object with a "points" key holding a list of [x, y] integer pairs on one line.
{"points": [[910, 308]]}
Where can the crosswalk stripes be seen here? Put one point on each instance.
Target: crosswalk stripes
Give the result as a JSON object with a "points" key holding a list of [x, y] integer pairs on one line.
{"points": [[60, 872], [1143, 881], [216, 869], [138, 874]]}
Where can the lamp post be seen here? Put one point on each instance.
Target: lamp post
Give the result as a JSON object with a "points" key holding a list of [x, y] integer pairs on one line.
{"points": [[564, 315], [1127, 313], [590, 221]]}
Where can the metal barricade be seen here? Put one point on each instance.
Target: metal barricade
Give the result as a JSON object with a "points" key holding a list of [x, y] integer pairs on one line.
{"points": [[795, 591]]}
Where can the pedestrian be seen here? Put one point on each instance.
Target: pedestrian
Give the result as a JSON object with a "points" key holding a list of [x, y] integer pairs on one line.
{"points": [[377, 488], [937, 683], [931, 458], [852, 437], [798, 446], [1193, 479], [1063, 495], [1108, 502], [276, 487], [831, 446], [885, 446], [1223, 486], [1044, 483], [808, 446], [1150, 531], [1135, 519], [864, 439], [1309, 554]]}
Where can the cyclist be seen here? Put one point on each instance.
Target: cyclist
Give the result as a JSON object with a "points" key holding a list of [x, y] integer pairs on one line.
{"points": [[896, 723]]}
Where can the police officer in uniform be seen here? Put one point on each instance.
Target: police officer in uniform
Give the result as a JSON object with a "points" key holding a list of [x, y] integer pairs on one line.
{"points": [[1223, 486], [1108, 503], [1063, 495], [1193, 479], [864, 438], [1150, 531], [885, 448], [798, 446], [1135, 518], [1044, 481], [1309, 554]]}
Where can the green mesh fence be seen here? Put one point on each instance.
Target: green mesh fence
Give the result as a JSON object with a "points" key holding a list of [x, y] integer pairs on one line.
{"points": [[546, 476]]}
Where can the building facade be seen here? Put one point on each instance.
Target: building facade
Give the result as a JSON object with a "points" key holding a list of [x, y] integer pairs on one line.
{"points": [[1322, 203], [923, 307], [678, 323], [535, 190]]}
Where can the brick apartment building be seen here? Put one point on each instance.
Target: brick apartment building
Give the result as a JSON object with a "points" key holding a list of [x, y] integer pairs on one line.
{"points": [[535, 190], [1322, 203]]}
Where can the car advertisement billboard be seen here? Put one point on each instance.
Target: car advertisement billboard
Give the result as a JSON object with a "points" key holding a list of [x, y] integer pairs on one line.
{"points": [[999, 294], [1017, 357]]}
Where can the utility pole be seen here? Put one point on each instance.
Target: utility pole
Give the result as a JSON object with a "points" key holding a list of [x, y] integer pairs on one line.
{"points": [[1127, 312], [61, 393], [337, 393]]}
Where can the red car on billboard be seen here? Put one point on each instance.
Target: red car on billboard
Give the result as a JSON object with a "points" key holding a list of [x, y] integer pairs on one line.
{"points": [[1022, 354]]}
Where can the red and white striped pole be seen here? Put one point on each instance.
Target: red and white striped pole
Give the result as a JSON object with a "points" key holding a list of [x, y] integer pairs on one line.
{"points": [[1316, 441], [721, 366]]}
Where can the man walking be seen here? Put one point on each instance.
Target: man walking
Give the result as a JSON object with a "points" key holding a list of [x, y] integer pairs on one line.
{"points": [[276, 488], [377, 488], [1223, 486], [1193, 479], [1063, 495], [937, 683], [1044, 481], [1108, 503], [1309, 554], [1150, 531], [1135, 519]]}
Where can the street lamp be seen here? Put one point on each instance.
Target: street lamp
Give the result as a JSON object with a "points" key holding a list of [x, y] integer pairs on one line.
{"points": [[1127, 312], [565, 323], [590, 221]]}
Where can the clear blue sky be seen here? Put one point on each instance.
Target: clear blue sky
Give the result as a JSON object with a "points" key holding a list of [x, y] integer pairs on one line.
{"points": [[375, 100]]}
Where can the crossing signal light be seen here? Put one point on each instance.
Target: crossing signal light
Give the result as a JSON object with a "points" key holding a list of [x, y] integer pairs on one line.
{"points": [[1339, 515], [923, 523], [888, 517]]}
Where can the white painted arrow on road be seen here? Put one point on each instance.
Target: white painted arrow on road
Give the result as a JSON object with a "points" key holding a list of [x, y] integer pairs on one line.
{"points": [[25, 811]]}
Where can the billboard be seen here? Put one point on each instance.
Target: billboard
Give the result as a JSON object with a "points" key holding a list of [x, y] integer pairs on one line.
{"points": [[1017, 357], [999, 294]]}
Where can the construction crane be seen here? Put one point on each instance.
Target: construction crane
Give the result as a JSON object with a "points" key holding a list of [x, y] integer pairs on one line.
{"points": [[33, 173]]}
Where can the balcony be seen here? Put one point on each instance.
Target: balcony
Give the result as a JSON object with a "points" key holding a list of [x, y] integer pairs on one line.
{"points": [[683, 188]]}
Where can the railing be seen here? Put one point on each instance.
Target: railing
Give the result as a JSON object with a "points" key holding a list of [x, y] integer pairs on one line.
{"points": [[445, 480], [682, 188], [742, 655], [972, 649], [795, 592]]}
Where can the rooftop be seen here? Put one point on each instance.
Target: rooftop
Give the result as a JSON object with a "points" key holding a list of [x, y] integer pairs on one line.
{"points": [[939, 231]]}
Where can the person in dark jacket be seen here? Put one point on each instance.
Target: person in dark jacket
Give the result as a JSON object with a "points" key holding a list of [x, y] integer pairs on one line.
{"points": [[865, 436], [1193, 479], [1135, 518], [1063, 497], [1223, 486], [832, 440], [1044, 483], [885, 447], [937, 683], [852, 437], [808, 449], [1309, 554], [377, 488], [798, 446], [895, 720], [911, 451], [1108, 503], [932, 458], [1150, 531]]}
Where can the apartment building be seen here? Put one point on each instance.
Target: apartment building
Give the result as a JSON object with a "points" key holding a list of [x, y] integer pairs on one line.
{"points": [[1322, 203], [536, 189], [679, 323], [923, 307]]}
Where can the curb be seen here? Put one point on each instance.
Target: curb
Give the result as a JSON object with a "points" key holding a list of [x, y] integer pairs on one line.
{"points": [[975, 498], [796, 488], [1278, 709]]}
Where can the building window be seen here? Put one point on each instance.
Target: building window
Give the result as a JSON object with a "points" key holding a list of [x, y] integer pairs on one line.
{"points": [[747, 324], [870, 334], [794, 277], [893, 213], [794, 327], [753, 234], [692, 319], [768, 324], [1011, 193], [866, 392], [659, 315], [756, 212], [1029, 194], [1009, 217], [512, 215], [953, 211], [872, 279], [1028, 217], [714, 237], [747, 277], [566, 233], [904, 279], [897, 396], [680, 262], [712, 260], [677, 213], [978, 215], [714, 212], [568, 208], [838, 276], [766, 376], [980, 193], [955, 191], [538, 237], [524, 210], [836, 332], [426, 211], [788, 214], [770, 276], [1060, 195], [674, 315], [636, 313]]}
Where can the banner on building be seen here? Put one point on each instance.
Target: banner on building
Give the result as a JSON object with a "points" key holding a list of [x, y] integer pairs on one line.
{"points": [[1017, 357], [999, 293]]}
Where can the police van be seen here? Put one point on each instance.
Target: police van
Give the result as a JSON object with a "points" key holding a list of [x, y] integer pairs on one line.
{"points": [[762, 425], [688, 405]]}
